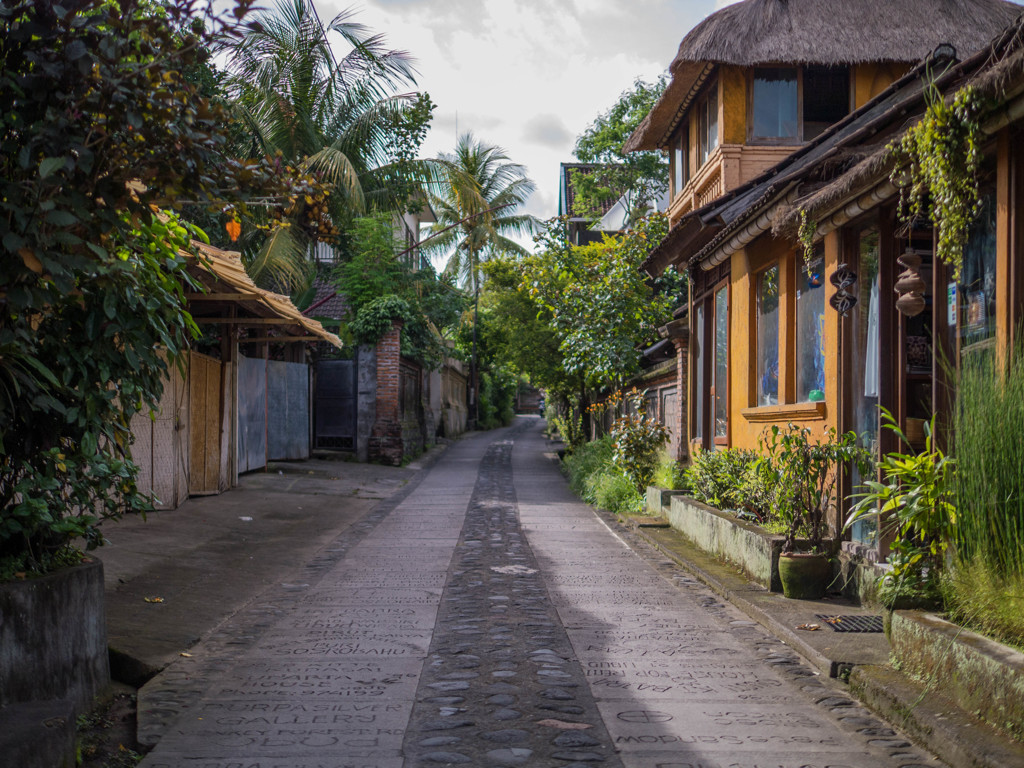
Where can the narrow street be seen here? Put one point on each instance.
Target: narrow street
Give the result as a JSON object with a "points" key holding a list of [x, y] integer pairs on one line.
{"points": [[488, 618]]}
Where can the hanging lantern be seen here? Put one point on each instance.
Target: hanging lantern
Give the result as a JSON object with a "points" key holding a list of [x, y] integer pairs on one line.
{"points": [[910, 285]]}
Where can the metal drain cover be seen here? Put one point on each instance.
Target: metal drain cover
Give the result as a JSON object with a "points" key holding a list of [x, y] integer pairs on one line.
{"points": [[852, 623]]}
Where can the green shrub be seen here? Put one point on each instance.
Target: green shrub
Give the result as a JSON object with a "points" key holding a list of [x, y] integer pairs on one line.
{"points": [[719, 478], [980, 599], [638, 440], [589, 459], [594, 477], [914, 502], [613, 491], [668, 473], [989, 489], [570, 429]]}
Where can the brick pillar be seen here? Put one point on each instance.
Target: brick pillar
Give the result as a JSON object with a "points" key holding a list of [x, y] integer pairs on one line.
{"points": [[386, 436]]}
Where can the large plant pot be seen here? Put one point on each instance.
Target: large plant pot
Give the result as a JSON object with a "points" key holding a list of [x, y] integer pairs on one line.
{"points": [[804, 576]]}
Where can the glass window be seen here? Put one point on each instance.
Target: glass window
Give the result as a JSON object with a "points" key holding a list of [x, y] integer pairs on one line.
{"points": [[768, 337], [865, 363], [721, 372], [810, 327], [698, 363], [707, 124], [776, 103], [977, 291], [681, 162], [826, 98]]}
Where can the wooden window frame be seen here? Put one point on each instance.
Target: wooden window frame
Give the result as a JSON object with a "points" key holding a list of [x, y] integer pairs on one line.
{"points": [[712, 335], [799, 139], [711, 91]]}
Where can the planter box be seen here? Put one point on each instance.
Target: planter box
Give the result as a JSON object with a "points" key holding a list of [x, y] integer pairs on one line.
{"points": [[659, 498], [720, 534], [981, 675], [53, 638]]}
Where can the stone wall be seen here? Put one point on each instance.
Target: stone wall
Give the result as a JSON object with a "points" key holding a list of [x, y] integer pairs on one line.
{"points": [[53, 637]]}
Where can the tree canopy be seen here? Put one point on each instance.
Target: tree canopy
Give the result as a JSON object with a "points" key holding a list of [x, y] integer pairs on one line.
{"points": [[638, 177], [601, 305]]}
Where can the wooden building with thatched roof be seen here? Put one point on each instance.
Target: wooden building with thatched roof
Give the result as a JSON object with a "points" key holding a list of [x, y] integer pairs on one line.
{"points": [[772, 341]]}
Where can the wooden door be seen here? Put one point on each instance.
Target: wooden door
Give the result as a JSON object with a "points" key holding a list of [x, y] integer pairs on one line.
{"points": [[205, 411]]}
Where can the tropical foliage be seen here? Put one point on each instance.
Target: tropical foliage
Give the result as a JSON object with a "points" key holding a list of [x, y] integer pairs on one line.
{"points": [[601, 305], [636, 178], [341, 121], [477, 209], [99, 131]]}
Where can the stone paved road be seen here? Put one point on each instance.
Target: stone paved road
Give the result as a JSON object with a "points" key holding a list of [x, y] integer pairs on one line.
{"points": [[490, 619]]}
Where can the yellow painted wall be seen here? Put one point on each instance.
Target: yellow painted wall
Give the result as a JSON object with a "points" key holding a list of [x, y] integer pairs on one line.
{"points": [[869, 80], [733, 105]]}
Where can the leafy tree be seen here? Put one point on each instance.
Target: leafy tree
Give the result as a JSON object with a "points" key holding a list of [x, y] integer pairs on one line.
{"points": [[98, 131], [601, 305], [514, 330], [638, 177], [339, 120], [477, 209], [380, 287]]}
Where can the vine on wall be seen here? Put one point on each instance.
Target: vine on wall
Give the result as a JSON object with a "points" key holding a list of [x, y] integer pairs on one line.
{"points": [[937, 162]]}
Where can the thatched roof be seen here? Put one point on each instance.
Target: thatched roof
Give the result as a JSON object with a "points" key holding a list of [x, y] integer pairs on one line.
{"points": [[822, 32]]}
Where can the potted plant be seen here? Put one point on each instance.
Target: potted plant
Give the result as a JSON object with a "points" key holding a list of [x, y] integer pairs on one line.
{"points": [[913, 501], [803, 472]]}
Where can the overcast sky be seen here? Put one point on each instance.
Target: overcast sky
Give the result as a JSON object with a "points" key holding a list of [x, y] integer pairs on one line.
{"points": [[527, 75]]}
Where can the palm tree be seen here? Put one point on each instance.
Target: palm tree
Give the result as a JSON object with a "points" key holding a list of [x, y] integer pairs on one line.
{"points": [[476, 213], [476, 208], [334, 119]]}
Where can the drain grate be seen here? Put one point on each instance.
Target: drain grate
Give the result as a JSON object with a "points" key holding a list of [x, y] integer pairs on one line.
{"points": [[852, 623]]}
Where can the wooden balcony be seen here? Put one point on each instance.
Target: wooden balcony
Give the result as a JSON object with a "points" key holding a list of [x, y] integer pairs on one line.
{"points": [[729, 166]]}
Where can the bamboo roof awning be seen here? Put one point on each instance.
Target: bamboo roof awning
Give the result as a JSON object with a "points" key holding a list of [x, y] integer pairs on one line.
{"points": [[230, 287]]}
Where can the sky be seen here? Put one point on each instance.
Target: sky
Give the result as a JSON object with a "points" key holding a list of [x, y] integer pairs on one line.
{"points": [[527, 75]]}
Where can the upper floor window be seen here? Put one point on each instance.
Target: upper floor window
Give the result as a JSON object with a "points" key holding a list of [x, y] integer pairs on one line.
{"points": [[707, 124], [797, 104], [681, 160], [776, 112]]}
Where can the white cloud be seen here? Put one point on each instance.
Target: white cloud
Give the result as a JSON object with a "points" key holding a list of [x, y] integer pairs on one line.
{"points": [[528, 75]]}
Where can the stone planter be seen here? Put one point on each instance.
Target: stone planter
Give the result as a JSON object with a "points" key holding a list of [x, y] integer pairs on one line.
{"points": [[720, 534], [981, 675], [659, 498], [53, 638]]}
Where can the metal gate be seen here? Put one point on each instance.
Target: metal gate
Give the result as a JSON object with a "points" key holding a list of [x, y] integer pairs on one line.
{"points": [[335, 405], [287, 410], [252, 414]]}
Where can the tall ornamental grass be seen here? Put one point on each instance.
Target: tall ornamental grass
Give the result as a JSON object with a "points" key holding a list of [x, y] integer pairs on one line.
{"points": [[989, 448]]}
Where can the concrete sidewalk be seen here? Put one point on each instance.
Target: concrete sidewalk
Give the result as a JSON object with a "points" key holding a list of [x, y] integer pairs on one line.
{"points": [[174, 577]]}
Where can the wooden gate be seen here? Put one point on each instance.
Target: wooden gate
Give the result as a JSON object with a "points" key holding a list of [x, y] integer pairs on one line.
{"points": [[161, 440], [206, 416]]}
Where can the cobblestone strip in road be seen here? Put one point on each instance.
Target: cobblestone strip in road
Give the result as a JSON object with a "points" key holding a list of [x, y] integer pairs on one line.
{"points": [[681, 679], [322, 673], [502, 687]]}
